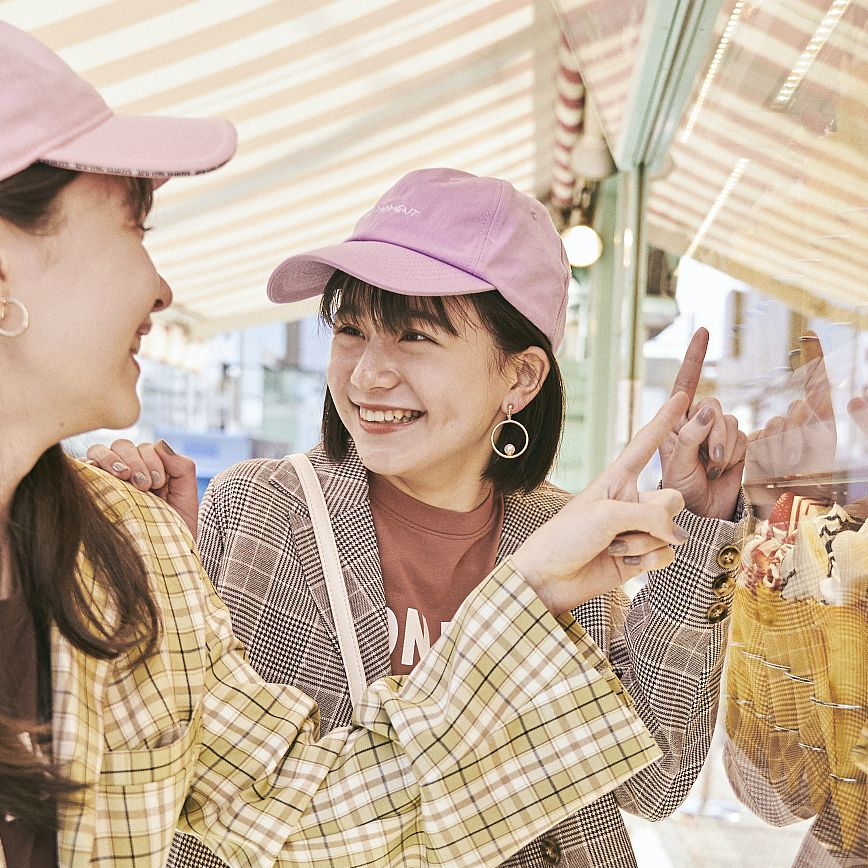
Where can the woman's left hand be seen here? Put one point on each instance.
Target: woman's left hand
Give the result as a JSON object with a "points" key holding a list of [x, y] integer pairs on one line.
{"points": [[703, 457], [153, 467]]}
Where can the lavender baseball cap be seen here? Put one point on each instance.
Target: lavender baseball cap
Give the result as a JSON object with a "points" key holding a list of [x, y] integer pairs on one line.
{"points": [[445, 232], [51, 115]]}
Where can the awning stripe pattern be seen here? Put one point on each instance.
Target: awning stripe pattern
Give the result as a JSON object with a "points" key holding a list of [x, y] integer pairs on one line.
{"points": [[334, 101]]}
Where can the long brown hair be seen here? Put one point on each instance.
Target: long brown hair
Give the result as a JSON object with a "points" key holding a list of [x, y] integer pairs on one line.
{"points": [[53, 517], [511, 332]]}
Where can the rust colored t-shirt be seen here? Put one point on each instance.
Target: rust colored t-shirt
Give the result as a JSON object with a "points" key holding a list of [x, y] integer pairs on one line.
{"points": [[431, 560]]}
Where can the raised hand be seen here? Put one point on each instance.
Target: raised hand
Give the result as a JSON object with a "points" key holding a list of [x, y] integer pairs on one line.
{"points": [[703, 455], [609, 532], [153, 467], [858, 409], [803, 441]]}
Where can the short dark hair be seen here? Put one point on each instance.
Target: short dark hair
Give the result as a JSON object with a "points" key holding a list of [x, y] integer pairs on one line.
{"points": [[511, 332]]}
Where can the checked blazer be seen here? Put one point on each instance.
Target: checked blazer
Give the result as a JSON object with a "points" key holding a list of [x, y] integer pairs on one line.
{"points": [[257, 545], [460, 763]]}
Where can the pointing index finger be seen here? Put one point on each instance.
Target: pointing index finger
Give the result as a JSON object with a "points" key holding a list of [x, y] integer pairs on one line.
{"points": [[639, 451], [690, 371], [818, 390]]}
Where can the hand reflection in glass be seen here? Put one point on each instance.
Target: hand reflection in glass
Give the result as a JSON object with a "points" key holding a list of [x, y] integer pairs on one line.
{"points": [[804, 441]]}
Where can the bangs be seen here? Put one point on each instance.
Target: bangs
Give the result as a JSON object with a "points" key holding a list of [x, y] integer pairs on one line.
{"points": [[140, 197], [353, 299]]}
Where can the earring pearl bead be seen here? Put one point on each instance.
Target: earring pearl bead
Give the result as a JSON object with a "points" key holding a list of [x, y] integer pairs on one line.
{"points": [[509, 449]]}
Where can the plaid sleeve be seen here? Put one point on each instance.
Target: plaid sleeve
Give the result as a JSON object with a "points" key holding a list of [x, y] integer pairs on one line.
{"points": [[669, 655], [508, 725]]}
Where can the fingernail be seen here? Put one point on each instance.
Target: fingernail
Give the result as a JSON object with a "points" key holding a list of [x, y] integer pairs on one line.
{"points": [[119, 468], [617, 546], [140, 478], [705, 415], [718, 453], [713, 473], [632, 560], [166, 448], [682, 534], [155, 475]]}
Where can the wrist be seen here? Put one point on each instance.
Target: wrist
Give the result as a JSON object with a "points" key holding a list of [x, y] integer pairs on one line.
{"points": [[537, 582]]}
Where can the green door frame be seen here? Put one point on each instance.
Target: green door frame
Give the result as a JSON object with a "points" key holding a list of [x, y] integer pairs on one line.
{"points": [[675, 44]]}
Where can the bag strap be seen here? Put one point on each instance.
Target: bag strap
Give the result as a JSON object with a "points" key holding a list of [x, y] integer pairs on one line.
{"points": [[331, 566]]}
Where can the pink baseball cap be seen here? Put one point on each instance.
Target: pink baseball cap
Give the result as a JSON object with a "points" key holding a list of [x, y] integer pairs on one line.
{"points": [[445, 232], [51, 115]]}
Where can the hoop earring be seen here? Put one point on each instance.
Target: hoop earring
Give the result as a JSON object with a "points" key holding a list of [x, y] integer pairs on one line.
{"points": [[509, 450], [25, 317]]}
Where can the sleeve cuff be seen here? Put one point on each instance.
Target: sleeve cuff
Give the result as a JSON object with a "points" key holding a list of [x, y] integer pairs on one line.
{"points": [[697, 588]]}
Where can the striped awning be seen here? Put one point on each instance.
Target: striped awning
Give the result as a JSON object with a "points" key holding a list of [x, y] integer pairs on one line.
{"points": [[769, 170], [767, 174], [334, 101]]}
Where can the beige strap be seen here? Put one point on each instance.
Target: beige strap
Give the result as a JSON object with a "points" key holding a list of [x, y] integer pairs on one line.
{"points": [[331, 566]]}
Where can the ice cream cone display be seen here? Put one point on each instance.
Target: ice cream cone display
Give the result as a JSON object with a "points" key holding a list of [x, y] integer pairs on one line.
{"points": [[841, 696], [798, 671]]}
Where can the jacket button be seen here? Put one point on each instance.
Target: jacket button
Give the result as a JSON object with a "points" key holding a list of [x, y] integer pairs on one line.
{"points": [[716, 612], [728, 558], [550, 851], [723, 584]]}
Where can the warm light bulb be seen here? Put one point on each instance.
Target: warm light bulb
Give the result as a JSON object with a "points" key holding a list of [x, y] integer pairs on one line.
{"points": [[583, 246]]}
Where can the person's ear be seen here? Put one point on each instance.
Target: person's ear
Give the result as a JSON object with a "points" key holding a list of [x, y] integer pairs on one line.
{"points": [[530, 368]]}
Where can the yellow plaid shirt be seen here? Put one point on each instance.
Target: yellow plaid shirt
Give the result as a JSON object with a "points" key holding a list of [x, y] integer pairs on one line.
{"points": [[510, 724]]}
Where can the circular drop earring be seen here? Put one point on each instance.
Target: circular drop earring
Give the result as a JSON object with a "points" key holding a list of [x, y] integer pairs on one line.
{"points": [[509, 450]]}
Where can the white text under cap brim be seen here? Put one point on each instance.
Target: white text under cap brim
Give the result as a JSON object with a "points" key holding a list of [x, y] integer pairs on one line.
{"points": [[388, 266], [148, 147]]}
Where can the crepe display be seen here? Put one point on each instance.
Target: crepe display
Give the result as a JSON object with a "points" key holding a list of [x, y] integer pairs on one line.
{"points": [[797, 684]]}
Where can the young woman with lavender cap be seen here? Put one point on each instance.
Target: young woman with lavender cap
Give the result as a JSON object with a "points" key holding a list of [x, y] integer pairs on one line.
{"points": [[442, 419]]}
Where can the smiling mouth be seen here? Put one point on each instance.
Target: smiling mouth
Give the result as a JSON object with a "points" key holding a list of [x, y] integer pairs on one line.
{"points": [[400, 416]]}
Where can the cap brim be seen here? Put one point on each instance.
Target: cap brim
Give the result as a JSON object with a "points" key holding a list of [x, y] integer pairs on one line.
{"points": [[388, 266], [149, 147]]}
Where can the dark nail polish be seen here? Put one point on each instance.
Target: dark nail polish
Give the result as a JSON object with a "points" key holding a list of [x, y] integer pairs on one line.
{"points": [[140, 479], [119, 468], [617, 546], [632, 560], [166, 448], [713, 473], [718, 453], [705, 415]]}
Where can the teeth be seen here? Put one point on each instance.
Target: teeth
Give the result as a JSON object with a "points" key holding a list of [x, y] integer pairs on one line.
{"points": [[388, 415]]}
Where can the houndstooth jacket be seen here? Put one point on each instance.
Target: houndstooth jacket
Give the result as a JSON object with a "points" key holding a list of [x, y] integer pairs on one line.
{"points": [[257, 544]]}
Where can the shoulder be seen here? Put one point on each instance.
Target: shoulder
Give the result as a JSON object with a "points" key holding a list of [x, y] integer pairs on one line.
{"points": [[524, 513], [150, 522], [543, 502], [252, 473], [265, 481]]}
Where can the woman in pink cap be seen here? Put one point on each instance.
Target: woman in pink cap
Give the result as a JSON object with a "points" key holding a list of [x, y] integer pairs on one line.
{"points": [[442, 419], [127, 708]]}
